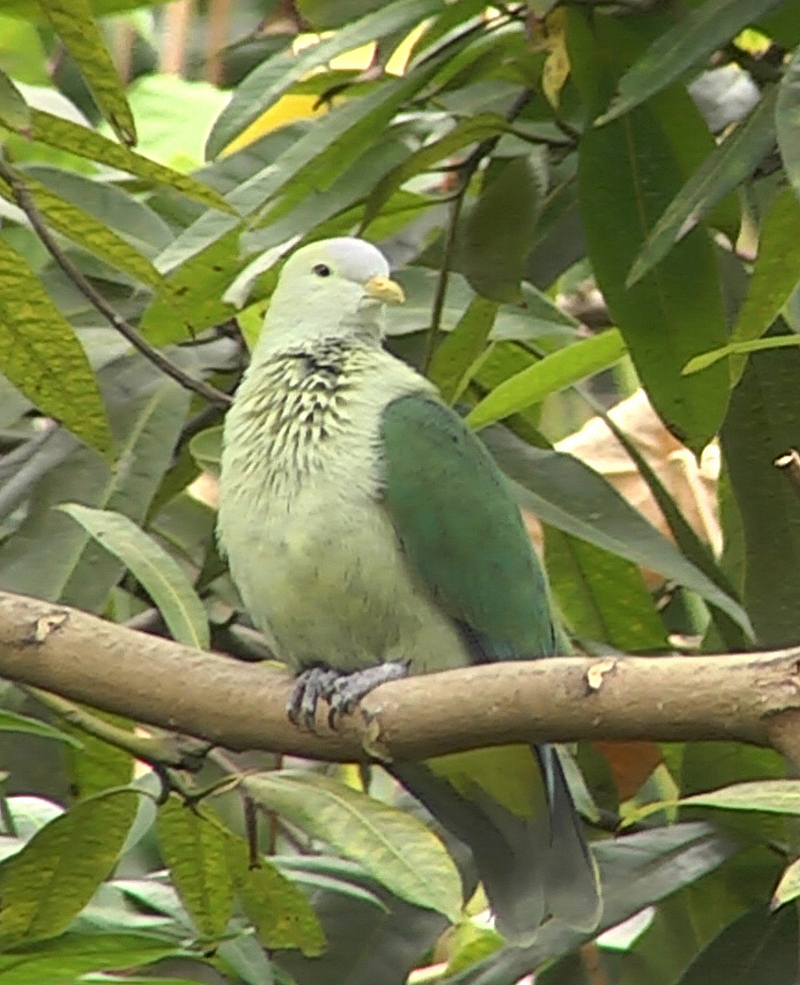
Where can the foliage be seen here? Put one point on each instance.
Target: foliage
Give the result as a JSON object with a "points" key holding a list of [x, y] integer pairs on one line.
{"points": [[509, 152]]}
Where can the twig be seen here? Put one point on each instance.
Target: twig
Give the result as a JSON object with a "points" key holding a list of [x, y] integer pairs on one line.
{"points": [[466, 170], [158, 751], [789, 464], [24, 200]]}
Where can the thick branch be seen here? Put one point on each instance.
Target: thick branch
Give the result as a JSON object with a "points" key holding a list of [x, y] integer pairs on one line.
{"points": [[749, 697]]}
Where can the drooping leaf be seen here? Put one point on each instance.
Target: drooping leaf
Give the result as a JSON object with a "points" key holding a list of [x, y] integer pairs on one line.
{"points": [[158, 572], [602, 596], [40, 354], [65, 959], [280, 911], [629, 172], [393, 846], [565, 493], [14, 111], [454, 360], [722, 171], [705, 29], [786, 116], [497, 231], [97, 766], [67, 135], [82, 228], [758, 947], [762, 424], [48, 883], [194, 847], [74, 23], [549, 375], [51, 557]]}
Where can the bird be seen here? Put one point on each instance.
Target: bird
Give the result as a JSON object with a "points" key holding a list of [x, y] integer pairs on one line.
{"points": [[370, 534]]}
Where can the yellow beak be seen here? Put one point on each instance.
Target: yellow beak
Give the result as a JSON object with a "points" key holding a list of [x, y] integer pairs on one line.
{"points": [[383, 289]]}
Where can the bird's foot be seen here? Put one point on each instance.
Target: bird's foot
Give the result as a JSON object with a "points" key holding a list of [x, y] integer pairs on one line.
{"points": [[342, 691]]}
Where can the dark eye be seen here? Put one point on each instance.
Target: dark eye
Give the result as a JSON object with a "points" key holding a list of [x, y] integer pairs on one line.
{"points": [[322, 270]]}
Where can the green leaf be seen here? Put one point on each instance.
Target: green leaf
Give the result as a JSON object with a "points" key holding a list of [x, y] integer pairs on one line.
{"points": [[763, 423], [498, 230], [773, 796], [723, 170], [66, 135], [82, 228], [309, 165], [454, 361], [159, 574], [14, 111], [465, 132], [787, 120], [280, 911], [758, 947], [629, 172], [740, 349], [265, 85], [549, 375], [40, 354], [775, 274], [73, 22], [690, 42], [194, 847], [206, 449], [10, 721], [97, 766], [690, 544], [565, 493], [602, 596], [789, 886], [49, 882], [393, 846], [64, 960], [50, 556]]}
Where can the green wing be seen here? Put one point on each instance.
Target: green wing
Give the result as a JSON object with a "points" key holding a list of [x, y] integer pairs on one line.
{"points": [[462, 531]]}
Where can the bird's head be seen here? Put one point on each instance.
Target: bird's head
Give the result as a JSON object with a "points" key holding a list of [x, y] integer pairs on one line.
{"points": [[331, 287]]}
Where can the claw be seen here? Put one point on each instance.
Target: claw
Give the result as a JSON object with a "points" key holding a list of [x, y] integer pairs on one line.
{"points": [[341, 691]]}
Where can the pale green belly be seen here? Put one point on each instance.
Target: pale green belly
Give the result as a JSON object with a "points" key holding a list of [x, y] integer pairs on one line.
{"points": [[331, 585]]}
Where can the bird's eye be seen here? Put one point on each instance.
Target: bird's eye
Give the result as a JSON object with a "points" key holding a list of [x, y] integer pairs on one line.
{"points": [[322, 270]]}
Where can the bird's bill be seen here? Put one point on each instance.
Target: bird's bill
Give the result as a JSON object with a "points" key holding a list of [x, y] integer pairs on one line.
{"points": [[384, 289]]}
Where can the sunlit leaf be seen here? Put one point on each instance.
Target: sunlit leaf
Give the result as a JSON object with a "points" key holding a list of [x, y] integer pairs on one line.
{"points": [[393, 846], [549, 375], [453, 362], [74, 23], [48, 883], [40, 354], [194, 848]]}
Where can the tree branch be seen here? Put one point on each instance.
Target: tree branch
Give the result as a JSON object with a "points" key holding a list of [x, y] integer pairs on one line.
{"points": [[752, 697]]}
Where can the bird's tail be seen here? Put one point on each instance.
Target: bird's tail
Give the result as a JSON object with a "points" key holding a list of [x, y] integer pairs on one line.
{"points": [[512, 807]]}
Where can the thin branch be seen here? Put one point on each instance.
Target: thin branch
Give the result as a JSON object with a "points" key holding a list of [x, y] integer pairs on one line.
{"points": [[466, 170], [747, 697], [25, 201], [162, 750]]}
